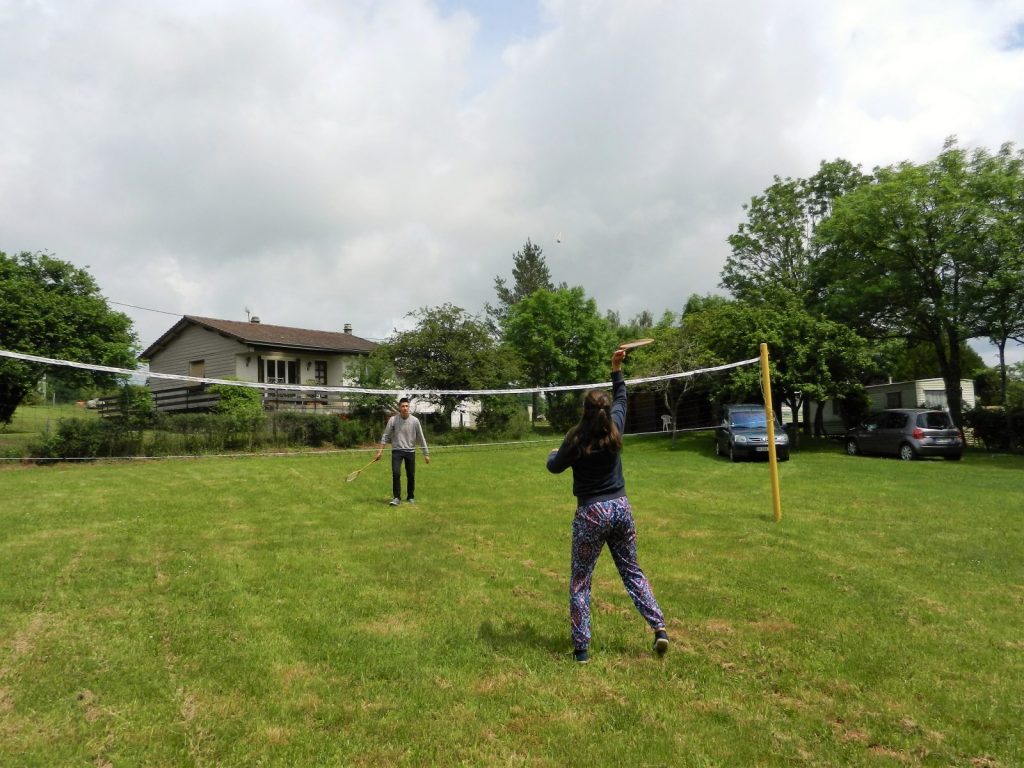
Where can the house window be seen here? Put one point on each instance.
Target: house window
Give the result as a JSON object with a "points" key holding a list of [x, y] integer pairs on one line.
{"points": [[894, 400], [935, 398], [279, 371], [197, 368], [320, 371]]}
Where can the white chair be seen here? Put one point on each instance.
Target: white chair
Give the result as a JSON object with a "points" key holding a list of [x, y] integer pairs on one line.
{"points": [[666, 423]]}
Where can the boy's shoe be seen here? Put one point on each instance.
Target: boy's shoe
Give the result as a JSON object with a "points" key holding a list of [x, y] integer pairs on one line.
{"points": [[411, 500], [581, 656], [394, 502], [660, 642]]}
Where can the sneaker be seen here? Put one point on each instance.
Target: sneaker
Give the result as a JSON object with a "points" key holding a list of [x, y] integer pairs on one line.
{"points": [[411, 500], [660, 642], [395, 502], [581, 656]]}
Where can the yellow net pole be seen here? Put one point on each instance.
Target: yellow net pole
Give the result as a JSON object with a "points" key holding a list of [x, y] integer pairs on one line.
{"points": [[769, 414]]}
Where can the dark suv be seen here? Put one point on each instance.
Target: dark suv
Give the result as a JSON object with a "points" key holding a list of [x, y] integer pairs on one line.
{"points": [[907, 433], [743, 433]]}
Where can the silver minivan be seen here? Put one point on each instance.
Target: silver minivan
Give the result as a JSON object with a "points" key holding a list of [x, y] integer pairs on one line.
{"points": [[908, 433]]}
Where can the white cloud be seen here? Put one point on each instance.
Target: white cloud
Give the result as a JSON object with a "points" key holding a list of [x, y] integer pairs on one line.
{"points": [[326, 162]]}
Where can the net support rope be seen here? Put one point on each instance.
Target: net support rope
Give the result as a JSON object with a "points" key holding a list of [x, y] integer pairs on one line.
{"points": [[361, 390]]}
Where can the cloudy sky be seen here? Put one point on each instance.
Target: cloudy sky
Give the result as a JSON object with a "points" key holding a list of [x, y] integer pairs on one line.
{"points": [[321, 162]]}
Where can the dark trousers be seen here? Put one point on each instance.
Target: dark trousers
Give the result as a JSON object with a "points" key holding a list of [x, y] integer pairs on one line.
{"points": [[397, 457]]}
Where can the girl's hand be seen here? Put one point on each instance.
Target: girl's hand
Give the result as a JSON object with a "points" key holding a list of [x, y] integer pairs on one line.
{"points": [[617, 357]]}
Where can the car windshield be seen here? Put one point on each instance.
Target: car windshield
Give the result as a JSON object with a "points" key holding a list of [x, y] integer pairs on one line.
{"points": [[934, 420], [748, 419]]}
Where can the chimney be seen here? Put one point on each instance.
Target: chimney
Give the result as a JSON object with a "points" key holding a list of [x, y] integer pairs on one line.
{"points": [[254, 319], [348, 327]]}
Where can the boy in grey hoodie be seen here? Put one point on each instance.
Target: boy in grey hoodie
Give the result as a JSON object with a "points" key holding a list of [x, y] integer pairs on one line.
{"points": [[403, 432]]}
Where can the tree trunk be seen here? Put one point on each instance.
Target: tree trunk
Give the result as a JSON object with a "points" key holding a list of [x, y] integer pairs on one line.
{"points": [[12, 392], [951, 377], [794, 434], [819, 419], [1002, 371]]}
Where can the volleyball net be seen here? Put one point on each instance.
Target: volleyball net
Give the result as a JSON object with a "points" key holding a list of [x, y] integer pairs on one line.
{"points": [[78, 411]]}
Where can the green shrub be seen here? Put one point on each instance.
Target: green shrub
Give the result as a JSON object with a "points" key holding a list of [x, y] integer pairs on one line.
{"points": [[353, 432], [998, 428], [135, 407], [503, 417], [241, 414], [564, 410], [89, 439]]}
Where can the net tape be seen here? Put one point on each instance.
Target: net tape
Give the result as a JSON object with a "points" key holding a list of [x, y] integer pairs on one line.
{"points": [[361, 390]]}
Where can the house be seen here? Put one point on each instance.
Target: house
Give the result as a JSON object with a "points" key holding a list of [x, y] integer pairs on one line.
{"points": [[205, 347], [920, 393]]}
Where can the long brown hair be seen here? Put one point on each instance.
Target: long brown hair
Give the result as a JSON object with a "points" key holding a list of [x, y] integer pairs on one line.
{"points": [[596, 430]]}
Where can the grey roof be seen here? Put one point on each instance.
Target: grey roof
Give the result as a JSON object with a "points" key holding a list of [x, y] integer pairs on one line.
{"points": [[263, 335]]}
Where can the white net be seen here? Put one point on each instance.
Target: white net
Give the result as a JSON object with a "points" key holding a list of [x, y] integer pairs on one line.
{"points": [[147, 414]]}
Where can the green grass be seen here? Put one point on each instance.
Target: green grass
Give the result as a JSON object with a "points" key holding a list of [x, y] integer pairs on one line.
{"points": [[261, 611], [31, 422]]}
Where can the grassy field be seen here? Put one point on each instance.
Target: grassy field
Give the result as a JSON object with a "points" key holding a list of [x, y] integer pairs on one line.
{"points": [[31, 422], [261, 611]]}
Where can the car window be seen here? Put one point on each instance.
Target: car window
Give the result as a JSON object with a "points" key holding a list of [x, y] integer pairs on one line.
{"points": [[894, 420], [934, 420], [748, 419]]}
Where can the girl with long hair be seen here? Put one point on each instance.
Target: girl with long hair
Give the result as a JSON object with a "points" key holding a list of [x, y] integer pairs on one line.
{"points": [[593, 450]]}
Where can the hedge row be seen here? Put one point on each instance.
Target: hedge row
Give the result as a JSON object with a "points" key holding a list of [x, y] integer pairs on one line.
{"points": [[202, 433], [206, 433]]}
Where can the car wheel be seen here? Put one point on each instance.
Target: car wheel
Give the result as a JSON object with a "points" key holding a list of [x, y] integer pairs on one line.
{"points": [[907, 452], [851, 448], [732, 454]]}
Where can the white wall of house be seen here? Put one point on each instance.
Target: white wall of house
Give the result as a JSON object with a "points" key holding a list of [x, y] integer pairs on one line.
{"points": [[218, 353], [922, 393]]}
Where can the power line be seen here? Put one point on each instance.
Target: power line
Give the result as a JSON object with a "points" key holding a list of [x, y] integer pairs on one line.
{"points": [[146, 309]]}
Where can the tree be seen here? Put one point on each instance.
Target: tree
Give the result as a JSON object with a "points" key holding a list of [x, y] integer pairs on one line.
{"points": [[449, 349], [902, 256], [529, 273], [374, 371], [812, 359], [640, 326], [51, 308], [677, 348], [1001, 291], [562, 339], [775, 247], [904, 362]]}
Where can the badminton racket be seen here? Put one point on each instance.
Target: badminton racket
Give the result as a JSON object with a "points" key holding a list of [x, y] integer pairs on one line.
{"points": [[353, 475], [635, 344]]}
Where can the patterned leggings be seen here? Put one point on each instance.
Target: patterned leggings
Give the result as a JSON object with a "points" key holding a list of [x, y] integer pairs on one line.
{"points": [[612, 522]]}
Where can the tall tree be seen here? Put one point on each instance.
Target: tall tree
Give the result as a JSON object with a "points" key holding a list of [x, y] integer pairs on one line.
{"points": [[775, 247], [561, 338], [529, 274], [449, 349], [51, 308], [1000, 180], [903, 256]]}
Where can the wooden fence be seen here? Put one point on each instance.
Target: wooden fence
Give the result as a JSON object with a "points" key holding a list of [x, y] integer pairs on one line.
{"points": [[197, 399]]}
